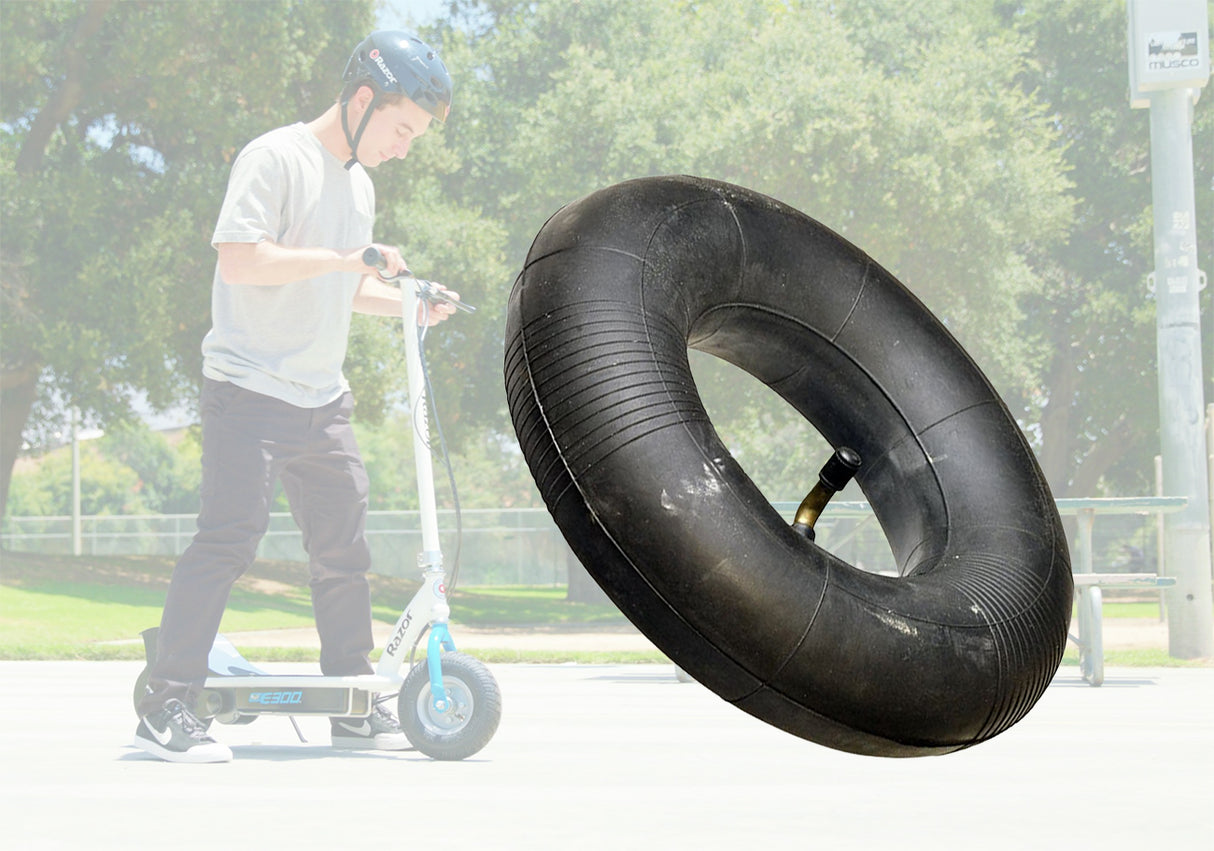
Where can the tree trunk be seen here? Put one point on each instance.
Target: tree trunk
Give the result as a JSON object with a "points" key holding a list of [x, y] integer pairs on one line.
{"points": [[67, 96], [1121, 439], [18, 390], [582, 587], [19, 386], [1056, 432]]}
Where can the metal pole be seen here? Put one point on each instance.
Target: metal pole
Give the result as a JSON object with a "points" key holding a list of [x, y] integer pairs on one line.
{"points": [[1209, 463], [1160, 553], [77, 543], [1210, 468], [1181, 406]]}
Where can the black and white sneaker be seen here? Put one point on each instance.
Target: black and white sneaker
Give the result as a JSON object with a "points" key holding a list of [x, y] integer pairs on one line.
{"points": [[174, 734], [379, 732]]}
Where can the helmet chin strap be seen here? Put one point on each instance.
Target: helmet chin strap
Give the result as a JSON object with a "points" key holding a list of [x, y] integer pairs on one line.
{"points": [[353, 140]]}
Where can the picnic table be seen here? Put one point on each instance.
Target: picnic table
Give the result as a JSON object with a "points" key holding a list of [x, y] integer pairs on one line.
{"points": [[1088, 583]]}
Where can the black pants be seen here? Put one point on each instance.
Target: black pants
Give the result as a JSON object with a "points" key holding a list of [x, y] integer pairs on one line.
{"points": [[248, 442]]}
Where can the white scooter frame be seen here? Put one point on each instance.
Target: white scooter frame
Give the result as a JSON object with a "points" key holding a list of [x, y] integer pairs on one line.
{"points": [[449, 707]]}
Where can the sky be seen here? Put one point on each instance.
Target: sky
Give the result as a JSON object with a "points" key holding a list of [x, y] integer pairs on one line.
{"points": [[398, 13]]}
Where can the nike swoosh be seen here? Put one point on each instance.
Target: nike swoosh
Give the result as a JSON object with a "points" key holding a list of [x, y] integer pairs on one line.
{"points": [[363, 729], [164, 738]]}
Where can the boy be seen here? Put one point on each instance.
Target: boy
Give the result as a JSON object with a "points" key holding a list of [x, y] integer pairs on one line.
{"points": [[290, 238]]}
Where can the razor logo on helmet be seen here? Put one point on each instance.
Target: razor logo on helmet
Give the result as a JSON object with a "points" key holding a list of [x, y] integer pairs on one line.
{"points": [[382, 65]]}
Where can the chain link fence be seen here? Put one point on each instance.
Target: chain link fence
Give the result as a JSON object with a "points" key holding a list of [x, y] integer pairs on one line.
{"points": [[510, 546], [496, 547]]}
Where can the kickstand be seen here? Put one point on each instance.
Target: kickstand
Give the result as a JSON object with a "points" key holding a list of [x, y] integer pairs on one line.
{"points": [[298, 731]]}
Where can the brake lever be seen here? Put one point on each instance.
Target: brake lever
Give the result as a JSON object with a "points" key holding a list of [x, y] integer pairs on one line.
{"points": [[427, 290]]}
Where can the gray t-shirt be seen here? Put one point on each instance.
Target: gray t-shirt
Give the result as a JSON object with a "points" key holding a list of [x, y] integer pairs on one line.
{"points": [[288, 341]]}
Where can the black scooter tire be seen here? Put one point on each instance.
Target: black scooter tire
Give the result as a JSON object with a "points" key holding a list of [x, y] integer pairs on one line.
{"points": [[615, 289]]}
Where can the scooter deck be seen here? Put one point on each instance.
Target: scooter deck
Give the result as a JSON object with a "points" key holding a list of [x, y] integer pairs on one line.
{"points": [[366, 682], [296, 694], [243, 688]]}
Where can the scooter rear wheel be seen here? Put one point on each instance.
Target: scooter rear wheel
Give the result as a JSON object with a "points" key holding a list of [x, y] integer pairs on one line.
{"points": [[467, 725], [141, 688]]}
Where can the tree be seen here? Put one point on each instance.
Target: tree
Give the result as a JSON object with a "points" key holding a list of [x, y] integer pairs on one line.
{"points": [[1092, 327], [169, 475], [903, 129], [982, 151], [118, 125], [129, 470]]}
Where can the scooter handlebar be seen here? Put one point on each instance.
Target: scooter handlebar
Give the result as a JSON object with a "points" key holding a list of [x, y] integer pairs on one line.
{"points": [[429, 291]]}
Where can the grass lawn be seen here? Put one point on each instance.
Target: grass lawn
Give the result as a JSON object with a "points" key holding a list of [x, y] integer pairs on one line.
{"points": [[94, 607]]}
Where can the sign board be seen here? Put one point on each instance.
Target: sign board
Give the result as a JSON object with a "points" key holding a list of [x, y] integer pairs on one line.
{"points": [[1169, 47]]}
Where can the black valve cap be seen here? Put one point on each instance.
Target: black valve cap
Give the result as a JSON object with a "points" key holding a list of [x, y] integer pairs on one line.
{"points": [[840, 469]]}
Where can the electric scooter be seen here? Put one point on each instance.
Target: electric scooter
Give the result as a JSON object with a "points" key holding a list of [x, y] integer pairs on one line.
{"points": [[450, 704]]}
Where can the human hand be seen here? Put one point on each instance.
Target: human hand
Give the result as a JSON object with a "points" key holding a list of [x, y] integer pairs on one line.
{"points": [[437, 303], [386, 261]]}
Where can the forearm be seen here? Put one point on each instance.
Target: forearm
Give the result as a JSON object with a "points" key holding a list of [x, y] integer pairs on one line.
{"points": [[268, 264], [377, 298]]}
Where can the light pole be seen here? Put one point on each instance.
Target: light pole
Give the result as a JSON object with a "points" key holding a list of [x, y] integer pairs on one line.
{"points": [[1169, 63]]}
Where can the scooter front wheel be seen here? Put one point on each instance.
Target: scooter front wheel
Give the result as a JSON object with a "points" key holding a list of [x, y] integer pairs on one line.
{"points": [[470, 718]]}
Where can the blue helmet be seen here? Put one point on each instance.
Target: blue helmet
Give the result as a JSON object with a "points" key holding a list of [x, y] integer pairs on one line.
{"points": [[395, 62]]}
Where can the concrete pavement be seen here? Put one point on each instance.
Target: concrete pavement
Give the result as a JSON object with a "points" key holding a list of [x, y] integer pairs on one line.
{"points": [[612, 757], [609, 638], [1119, 634]]}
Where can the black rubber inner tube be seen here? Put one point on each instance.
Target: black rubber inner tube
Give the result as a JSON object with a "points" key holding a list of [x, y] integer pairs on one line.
{"points": [[616, 288]]}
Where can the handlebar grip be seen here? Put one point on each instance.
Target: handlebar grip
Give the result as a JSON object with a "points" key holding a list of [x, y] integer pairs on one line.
{"points": [[372, 256]]}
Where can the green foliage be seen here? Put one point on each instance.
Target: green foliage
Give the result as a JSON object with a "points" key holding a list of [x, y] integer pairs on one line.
{"points": [[982, 151], [131, 470], [780, 451], [445, 237], [118, 125], [905, 130], [387, 452], [489, 471], [169, 476], [106, 486]]}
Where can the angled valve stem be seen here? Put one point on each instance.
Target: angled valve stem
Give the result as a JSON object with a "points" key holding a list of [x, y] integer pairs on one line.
{"points": [[832, 478]]}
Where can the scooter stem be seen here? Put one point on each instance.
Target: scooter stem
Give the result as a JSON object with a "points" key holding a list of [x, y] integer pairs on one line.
{"points": [[431, 554]]}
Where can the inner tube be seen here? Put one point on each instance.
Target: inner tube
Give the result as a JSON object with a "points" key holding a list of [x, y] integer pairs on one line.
{"points": [[954, 650]]}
